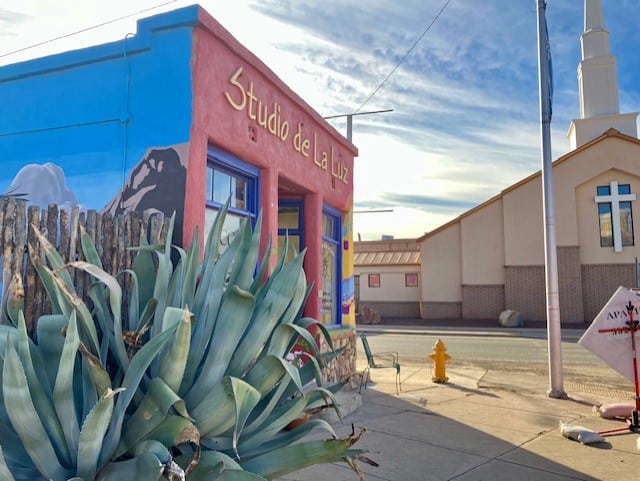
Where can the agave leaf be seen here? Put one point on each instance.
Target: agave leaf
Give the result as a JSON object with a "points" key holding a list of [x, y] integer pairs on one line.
{"points": [[5, 474], [63, 398], [133, 309], [250, 258], [161, 290], [327, 395], [15, 298], [191, 271], [267, 372], [282, 417], [68, 300], [223, 408], [266, 407], [246, 397], [298, 296], [41, 397], [137, 367], [233, 319], [115, 302], [287, 459], [310, 323], [144, 268], [268, 313], [99, 375], [207, 305], [30, 356], [153, 409], [262, 286], [258, 278], [212, 246], [89, 394], [26, 420], [46, 277], [176, 283], [150, 461], [13, 450], [284, 334], [244, 237], [287, 438], [51, 328], [209, 462], [89, 249], [92, 434], [169, 237], [53, 256], [174, 359], [174, 431]]}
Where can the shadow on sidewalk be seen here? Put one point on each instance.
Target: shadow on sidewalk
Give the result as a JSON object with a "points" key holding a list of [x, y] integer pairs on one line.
{"points": [[466, 430]]}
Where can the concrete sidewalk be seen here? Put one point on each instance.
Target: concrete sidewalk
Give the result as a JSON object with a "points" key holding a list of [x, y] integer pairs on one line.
{"points": [[480, 425]]}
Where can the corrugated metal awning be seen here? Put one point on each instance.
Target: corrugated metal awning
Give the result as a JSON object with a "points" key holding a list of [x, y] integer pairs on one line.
{"points": [[386, 258]]}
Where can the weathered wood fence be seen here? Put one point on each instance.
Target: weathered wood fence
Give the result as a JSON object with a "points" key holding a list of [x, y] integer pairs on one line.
{"points": [[113, 237]]}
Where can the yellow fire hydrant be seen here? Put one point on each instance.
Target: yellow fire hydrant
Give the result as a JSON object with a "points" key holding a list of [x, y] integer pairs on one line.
{"points": [[440, 358]]}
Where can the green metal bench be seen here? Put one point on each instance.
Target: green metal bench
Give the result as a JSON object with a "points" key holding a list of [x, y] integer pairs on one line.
{"points": [[391, 361]]}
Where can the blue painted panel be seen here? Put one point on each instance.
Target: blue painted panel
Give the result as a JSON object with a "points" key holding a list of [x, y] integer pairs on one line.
{"points": [[95, 112]]}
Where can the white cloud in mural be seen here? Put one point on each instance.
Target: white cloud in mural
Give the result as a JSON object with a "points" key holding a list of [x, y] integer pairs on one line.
{"points": [[42, 185]]}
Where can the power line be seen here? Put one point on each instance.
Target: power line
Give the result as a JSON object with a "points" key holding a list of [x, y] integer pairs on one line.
{"points": [[446, 4], [86, 29]]}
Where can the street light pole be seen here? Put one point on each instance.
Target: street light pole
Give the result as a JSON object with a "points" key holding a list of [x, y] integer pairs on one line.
{"points": [[554, 339], [350, 120]]}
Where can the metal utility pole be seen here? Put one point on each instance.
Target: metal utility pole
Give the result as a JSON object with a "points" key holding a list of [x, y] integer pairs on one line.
{"points": [[554, 337]]}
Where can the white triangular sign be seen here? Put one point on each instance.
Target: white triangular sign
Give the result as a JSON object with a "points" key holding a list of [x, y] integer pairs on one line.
{"points": [[614, 345]]}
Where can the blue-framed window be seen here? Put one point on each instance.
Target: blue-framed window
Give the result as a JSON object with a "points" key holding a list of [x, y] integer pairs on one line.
{"points": [[291, 225], [229, 177], [331, 312]]}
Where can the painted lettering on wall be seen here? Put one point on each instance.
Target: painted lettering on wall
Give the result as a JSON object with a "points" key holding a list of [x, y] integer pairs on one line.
{"points": [[268, 116]]}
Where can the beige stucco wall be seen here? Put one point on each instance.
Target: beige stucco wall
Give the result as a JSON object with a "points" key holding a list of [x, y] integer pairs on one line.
{"points": [[392, 284], [576, 221], [441, 266], [523, 224], [482, 235]]}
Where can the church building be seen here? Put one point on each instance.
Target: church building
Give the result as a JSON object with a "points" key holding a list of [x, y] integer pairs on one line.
{"points": [[491, 258]]}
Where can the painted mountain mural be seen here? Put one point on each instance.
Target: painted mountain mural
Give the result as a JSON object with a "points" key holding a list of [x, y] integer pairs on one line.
{"points": [[156, 184], [42, 185]]}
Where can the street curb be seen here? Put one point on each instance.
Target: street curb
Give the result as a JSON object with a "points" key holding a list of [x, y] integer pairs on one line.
{"points": [[568, 335]]}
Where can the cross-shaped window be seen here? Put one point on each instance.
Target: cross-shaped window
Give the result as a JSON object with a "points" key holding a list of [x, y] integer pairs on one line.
{"points": [[615, 215]]}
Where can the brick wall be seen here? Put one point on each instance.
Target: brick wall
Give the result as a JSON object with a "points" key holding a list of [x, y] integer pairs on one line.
{"points": [[570, 285], [524, 291], [441, 310], [482, 302], [393, 309], [599, 282], [525, 288]]}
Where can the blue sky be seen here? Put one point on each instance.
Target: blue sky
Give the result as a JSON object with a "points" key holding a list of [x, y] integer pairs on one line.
{"points": [[465, 120]]}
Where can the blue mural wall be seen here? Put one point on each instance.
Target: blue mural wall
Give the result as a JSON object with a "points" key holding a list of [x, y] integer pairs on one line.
{"points": [[90, 126]]}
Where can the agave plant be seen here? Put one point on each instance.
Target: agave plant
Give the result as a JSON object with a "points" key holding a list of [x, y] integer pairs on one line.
{"points": [[191, 382]]}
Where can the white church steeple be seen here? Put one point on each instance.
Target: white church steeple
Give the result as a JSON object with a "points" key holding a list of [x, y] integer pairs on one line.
{"points": [[598, 84]]}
